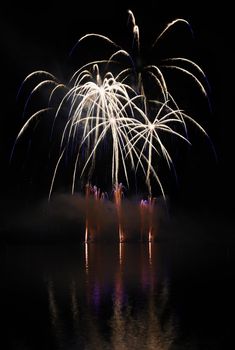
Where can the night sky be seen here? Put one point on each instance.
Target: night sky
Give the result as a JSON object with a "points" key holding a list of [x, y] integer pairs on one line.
{"points": [[41, 35]]}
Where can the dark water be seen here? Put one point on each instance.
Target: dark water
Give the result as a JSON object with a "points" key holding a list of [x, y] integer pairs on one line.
{"points": [[167, 295]]}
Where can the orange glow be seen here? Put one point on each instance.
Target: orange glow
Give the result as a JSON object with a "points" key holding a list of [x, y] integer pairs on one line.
{"points": [[118, 194], [146, 219], [93, 199]]}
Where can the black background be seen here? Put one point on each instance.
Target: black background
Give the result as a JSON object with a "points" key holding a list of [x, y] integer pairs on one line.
{"points": [[40, 36]]}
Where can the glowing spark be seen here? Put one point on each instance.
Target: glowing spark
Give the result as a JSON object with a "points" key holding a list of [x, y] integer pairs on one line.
{"points": [[118, 193], [146, 218]]}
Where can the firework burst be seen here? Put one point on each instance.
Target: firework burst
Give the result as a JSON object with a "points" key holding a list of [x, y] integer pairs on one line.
{"points": [[106, 107]]}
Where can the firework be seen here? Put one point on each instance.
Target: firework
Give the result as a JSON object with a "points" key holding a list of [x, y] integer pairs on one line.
{"points": [[103, 107], [146, 218], [118, 193], [94, 197]]}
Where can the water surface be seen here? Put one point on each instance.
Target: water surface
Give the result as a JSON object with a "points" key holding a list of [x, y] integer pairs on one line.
{"points": [[165, 295]]}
